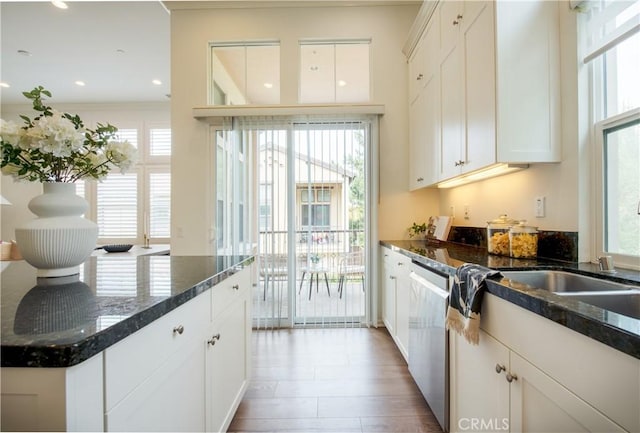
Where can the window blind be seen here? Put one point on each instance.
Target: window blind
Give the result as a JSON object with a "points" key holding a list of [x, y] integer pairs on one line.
{"points": [[160, 205], [128, 134], [608, 23], [160, 142], [117, 206]]}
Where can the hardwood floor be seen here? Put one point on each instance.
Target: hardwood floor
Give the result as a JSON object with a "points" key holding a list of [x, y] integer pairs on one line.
{"points": [[331, 380]]}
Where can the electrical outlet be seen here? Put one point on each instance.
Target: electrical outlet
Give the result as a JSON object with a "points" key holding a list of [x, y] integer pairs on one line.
{"points": [[452, 211], [466, 211], [540, 207]]}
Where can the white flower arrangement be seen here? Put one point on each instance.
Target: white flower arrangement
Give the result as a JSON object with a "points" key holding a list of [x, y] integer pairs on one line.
{"points": [[56, 146]]}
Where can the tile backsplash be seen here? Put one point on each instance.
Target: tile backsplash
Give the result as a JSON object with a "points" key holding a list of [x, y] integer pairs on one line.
{"points": [[551, 244]]}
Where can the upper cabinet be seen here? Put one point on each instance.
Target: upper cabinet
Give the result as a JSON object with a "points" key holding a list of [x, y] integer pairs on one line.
{"points": [[495, 84]]}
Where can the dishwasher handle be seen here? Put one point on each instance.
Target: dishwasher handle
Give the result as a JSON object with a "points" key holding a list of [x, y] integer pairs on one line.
{"points": [[428, 284]]}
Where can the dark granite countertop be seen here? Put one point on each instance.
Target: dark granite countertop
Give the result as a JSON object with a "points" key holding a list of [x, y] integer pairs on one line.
{"points": [[60, 322], [615, 330]]}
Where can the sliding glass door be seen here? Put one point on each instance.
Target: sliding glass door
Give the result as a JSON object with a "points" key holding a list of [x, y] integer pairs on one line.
{"points": [[311, 179]]}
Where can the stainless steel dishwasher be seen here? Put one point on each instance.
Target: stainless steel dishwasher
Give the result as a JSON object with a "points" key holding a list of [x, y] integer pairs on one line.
{"points": [[429, 340]]}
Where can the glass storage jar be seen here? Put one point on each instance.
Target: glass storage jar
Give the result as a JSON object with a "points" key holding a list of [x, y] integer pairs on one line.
{"points": [[498, 235], [523, 241]]}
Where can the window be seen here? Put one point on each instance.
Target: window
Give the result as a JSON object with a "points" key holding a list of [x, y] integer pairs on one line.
{"points": [[315, 207], [129, 206], [245, 73], [264, 209], [611, 41], [334, 71]]}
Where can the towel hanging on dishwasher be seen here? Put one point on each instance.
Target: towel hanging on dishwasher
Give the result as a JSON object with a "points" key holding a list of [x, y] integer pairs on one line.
{"points": [[465, 300]]}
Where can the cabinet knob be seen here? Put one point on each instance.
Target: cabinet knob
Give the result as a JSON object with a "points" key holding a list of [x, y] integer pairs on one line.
{"points": [[419, 77], [500, 368], [456, 22], [214, 339], [400, 263], [511, 377], [178, 329], [236, 287], [459, 163], [459, 16], [420, 179], [391, 277]]}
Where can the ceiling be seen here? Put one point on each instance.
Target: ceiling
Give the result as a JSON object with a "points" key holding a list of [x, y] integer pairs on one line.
{"points": [[116, 48]]}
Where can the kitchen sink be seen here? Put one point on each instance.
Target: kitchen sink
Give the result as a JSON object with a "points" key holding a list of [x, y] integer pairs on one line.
{"points": [[609, 295], [564, 283]]}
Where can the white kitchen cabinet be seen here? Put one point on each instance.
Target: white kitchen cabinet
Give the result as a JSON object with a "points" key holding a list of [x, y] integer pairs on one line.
{"points": [[424, 110], [227, 353], [468, 87], [498, 88], [388, 281], [396, 297], [547, 381]]}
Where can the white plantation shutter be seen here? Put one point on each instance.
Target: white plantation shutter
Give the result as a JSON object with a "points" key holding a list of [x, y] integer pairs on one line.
{"points": [[160, 204], [117, 206], [160, 142], [130, 135]]}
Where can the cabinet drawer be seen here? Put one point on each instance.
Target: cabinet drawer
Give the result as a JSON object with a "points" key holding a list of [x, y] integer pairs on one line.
{"points": [[134, 359], [229, 290]]}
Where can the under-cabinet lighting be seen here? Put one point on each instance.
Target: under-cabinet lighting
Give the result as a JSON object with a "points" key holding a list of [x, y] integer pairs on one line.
{"points": [[59, 4], [485, 173]]}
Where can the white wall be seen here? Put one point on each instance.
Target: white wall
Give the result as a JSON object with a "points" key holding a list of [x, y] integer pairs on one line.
{"points": [[192, 30], [120, 115]]}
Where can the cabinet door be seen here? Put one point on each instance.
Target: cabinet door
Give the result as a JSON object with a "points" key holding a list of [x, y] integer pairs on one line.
{"points": [[171, 399], [480, 90], [540, 404], [479, 391], [389, 293], [451, 102], [450, 18], [418, 142], [417, 70], [227, 367], [403, 298]]}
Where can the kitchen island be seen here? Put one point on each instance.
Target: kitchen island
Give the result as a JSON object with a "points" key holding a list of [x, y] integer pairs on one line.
{"points": [[544, 362], [131, 343]]}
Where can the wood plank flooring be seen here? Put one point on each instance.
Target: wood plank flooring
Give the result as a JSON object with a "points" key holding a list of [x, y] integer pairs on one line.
{"points": [[331, 380]]}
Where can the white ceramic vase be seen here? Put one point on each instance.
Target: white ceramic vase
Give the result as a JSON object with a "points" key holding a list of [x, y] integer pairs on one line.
{"points": [[60, 239]]}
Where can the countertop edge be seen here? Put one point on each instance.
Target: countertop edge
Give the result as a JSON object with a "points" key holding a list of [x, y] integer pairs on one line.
{"points": [[68, 355], [543, 304]]}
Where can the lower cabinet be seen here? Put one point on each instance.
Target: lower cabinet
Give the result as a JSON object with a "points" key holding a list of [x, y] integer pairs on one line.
{"points": [[186, 371], [396, 288], [227, 354], [506, 384]]}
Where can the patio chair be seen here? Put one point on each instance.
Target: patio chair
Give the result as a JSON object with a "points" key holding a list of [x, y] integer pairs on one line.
{"points": [[273, 267], [350, 267]]}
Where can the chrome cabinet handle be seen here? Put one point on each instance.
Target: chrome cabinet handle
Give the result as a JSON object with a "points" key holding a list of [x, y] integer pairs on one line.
{"points": [[419, 77], [236, 287], [500, 368], [420, 179], [214, 339], [511, 377], [178, 330], [459, 163]]}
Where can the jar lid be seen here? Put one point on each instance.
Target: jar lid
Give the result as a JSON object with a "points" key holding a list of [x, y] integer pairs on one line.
{"points": [[503, 220], [521, 227]]}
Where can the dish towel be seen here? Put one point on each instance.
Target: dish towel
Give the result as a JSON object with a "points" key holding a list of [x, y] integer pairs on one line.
{"points": [[465, 300]]}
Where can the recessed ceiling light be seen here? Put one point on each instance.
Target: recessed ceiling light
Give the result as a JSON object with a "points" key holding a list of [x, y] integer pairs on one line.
{"points": [[59, 4], [342, 83], [156, 82], [3, 84], [80, 83], [268, 85], [24, 53]]}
